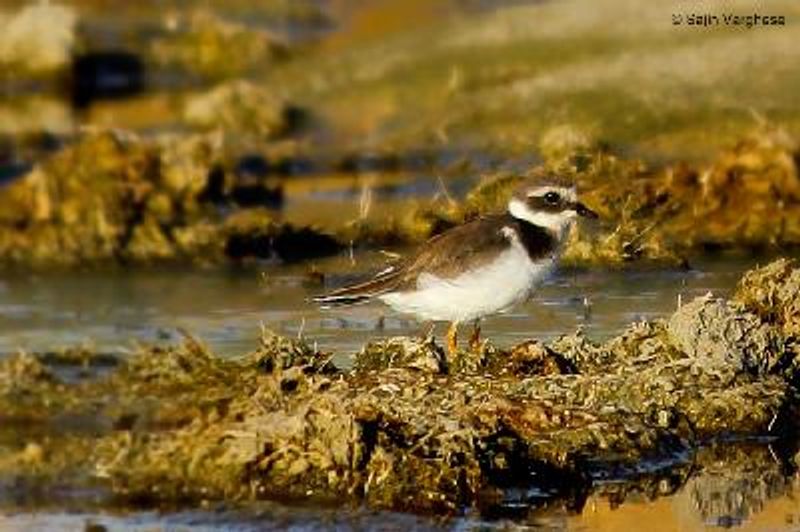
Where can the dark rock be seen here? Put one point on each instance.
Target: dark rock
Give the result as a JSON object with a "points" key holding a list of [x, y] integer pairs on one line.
{"points": [[105, 75]]}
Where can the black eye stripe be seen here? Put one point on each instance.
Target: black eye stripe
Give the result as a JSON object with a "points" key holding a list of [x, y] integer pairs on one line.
{"points": [[538, 203]]}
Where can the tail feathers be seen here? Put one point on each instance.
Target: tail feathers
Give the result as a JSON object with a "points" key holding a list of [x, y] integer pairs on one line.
{"points": [[358, 293], [327, 301]]}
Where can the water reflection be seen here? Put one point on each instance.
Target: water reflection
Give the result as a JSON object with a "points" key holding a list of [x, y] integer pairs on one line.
{"points": [[747, 485], [744, 485]]}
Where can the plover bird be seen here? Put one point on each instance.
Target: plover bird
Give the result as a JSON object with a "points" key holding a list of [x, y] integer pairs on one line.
{"points": [[480, 268]]}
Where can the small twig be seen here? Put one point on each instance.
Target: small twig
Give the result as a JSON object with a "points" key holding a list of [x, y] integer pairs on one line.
{"points": [[772, 454], [772, 422], [365, 201], [445, 192]]}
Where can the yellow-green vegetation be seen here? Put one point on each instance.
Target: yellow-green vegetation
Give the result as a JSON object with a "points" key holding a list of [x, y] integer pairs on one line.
{"points": [[613, 97], [408, 429], [37, 40], [238, 106], [117, 198]]}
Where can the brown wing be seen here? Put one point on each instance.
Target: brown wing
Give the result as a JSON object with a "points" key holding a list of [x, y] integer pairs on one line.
{"points": [[445, 255], [472, 245], [468, 246]]}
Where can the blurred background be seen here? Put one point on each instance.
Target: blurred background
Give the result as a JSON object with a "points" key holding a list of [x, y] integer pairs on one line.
{"points": [[209, 164], [162, 147], [148, 148], [403, 77]]}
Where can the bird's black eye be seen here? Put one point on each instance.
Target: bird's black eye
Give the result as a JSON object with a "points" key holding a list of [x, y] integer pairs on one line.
{"points": [[552, 198]]}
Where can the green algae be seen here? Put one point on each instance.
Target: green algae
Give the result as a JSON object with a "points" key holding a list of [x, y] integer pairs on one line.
{"points": [[407, 429], [118, 198], [744, 199]]}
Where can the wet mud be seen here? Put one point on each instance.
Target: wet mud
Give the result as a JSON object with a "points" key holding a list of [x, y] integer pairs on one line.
{"points": [[493, 431]]}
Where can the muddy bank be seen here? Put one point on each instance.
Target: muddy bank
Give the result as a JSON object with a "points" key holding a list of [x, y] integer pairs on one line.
{"points": [[490, 79], [117, 198], [408, 429]]}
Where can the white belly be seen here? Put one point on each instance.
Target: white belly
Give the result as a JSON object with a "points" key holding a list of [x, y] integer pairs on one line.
{"points": [[495, 287]]}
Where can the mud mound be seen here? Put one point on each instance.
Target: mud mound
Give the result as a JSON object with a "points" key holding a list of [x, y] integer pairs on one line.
{"points": [[407, 429]]}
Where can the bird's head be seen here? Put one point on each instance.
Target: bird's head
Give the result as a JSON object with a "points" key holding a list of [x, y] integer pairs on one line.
{"points": [[552, 206]]}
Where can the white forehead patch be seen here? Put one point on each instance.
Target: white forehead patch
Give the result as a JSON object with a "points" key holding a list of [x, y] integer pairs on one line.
{"points": [[568, 193]]}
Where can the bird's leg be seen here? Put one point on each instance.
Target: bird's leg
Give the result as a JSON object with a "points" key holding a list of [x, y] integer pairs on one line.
{"points": [[452, 338], [475, 337]]}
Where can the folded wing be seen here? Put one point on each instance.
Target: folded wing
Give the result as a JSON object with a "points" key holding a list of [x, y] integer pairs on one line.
{"points": [[444, 257]]}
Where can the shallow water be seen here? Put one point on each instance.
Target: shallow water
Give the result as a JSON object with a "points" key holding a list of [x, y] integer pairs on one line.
{"points": [[227, 308]]}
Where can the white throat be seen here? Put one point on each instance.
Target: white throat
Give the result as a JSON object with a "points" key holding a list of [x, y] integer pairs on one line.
{"points": [[557, 223]]}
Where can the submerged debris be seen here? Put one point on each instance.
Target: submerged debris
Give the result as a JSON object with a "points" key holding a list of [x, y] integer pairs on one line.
{"points": [[407, 429]]}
